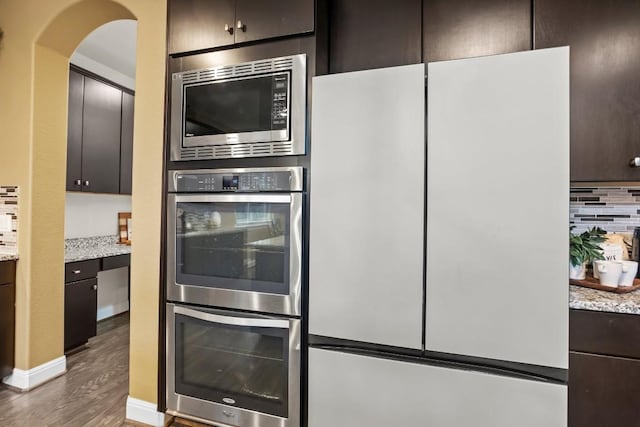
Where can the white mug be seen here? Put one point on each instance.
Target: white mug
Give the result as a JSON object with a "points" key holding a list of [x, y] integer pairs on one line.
{"points": [[629, 270], [610, 252], [609, 272]]}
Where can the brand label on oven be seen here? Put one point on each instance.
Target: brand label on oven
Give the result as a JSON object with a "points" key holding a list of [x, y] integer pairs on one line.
{"points": [[229, 401]]}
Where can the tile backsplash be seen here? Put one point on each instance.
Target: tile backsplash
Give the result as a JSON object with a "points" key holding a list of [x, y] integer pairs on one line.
{"points": [[614, 209], [9, 208]]}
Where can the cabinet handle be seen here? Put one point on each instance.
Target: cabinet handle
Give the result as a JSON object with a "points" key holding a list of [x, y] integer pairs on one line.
{"points": [[76, 271], [78, 182], [241, 26], [95, 287], [228, 28], [86, 183], [635, 162]]}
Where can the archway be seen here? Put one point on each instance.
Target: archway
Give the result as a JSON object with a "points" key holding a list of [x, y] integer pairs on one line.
{"points": [[39, 39]]}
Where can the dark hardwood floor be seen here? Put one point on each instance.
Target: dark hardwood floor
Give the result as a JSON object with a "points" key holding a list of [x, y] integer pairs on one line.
{"points": [[93, 392]]}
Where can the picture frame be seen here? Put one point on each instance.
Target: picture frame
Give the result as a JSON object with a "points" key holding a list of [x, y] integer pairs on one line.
{"points": [[124, 228]]}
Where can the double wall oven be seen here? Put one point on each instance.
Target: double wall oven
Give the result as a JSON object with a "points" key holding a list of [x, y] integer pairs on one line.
{"points": [[234, 280]]}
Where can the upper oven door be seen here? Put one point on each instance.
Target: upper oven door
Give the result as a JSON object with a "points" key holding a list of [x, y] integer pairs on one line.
{"points": [[236, 251]]}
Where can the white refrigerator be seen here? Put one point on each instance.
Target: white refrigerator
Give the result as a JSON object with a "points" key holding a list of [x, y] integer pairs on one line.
{"points": [[438, 257]]}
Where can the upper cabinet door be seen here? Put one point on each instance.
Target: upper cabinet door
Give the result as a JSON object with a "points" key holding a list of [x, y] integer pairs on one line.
{"points": [[200, 24], [368, 34], [74, 132], [604, 37], [455, 29], [263, 19], [101, 137], [126, 143], [498, 207]]}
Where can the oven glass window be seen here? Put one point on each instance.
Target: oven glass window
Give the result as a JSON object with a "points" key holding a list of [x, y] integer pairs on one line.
{"points": [[227, 363], [239, 246], [246, 105]]}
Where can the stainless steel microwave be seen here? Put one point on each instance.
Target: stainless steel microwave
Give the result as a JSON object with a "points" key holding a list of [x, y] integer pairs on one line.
{"points": [[253, 109]]}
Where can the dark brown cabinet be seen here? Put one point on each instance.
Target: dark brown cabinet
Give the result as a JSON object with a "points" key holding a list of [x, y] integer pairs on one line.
{"points": [[365, 34], [456, 29], [74, 131], [265, 19], [7, 317], [603, 390], [604, 369], [80, 302], [126, 143], [604, 37], [100, 136], [101, 121], [206, 24], [200, 24]]}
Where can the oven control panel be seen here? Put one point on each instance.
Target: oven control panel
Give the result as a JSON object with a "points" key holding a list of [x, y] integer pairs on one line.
{"points": [[236, 180]]}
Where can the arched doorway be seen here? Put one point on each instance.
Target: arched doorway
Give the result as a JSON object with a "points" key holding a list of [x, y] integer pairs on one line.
{"points": [[39, 38]]}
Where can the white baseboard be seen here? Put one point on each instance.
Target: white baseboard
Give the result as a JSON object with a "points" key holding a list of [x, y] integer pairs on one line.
{"points": [[112, 310], [144, 412], [26, 380]]}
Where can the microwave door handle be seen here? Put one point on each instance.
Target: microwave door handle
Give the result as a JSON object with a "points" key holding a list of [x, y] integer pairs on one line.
{"points": [[230, 320]]}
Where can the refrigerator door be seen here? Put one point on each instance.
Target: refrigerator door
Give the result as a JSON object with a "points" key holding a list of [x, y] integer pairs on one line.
{"points": [[367, 206], [347, 390], [498, 207]]}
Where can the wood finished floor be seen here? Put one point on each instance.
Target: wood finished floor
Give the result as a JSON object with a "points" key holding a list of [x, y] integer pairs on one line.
{"points": [[93, 392]]}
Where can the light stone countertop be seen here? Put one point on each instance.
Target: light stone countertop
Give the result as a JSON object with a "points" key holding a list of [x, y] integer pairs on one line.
{"points": [[592, 299], [8, 256], [93, 247]]}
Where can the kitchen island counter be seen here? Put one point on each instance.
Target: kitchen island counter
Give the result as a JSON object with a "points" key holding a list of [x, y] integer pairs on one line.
{"points": [[594, 300]]}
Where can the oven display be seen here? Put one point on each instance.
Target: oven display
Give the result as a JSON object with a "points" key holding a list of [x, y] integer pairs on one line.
{"points": [[230, 182]]}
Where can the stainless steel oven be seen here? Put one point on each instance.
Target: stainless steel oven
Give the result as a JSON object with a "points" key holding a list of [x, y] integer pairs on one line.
{"points": [[233, 369], [234, 238], [242, 110]]}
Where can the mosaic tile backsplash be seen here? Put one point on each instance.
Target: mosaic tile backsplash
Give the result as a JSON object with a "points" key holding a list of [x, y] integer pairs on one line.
{"points": [[9, 207], [614, 209]]}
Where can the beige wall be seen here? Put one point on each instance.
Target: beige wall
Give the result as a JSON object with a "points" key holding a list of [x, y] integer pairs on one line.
{"points": [[39, 38]]}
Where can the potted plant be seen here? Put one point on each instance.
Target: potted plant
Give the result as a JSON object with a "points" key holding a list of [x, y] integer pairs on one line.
{"points": [[584, 248]]}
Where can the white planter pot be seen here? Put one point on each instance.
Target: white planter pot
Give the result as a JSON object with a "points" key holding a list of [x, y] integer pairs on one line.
{"points": [[577, 272]]}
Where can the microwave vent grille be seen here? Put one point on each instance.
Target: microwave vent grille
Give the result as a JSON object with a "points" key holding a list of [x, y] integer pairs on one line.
{"points": [[281, 147], [242, 70], [188, 154], [264, 66], [241, 150], [258, 149]]}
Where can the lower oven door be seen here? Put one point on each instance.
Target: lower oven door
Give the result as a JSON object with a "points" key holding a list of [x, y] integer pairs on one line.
{"points": [[236, 251], [233, 369]]}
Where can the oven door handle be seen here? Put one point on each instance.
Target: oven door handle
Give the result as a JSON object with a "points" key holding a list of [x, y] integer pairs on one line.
{"points": [[231, 320], [233, 198]]}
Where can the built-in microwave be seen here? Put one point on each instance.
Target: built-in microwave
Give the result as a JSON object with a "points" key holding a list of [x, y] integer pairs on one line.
{"points": [[252, 109]]}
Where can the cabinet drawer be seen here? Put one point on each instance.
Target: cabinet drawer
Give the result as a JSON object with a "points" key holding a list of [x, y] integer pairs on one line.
{"points": [[74, 271], [612, 334], [7, 272], [118, 261]]}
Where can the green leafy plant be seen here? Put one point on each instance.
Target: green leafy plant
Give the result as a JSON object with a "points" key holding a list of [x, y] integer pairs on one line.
{"points": [[585, 247]]}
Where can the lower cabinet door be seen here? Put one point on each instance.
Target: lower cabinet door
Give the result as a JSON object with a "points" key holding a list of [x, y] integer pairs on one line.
{"points": [[603, 391], [80, 308], [7, 328], [348, 390]]}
